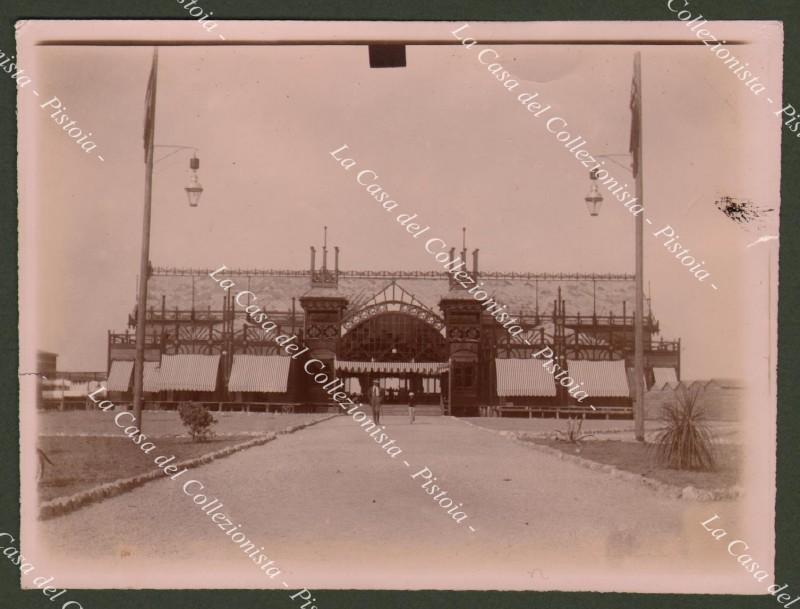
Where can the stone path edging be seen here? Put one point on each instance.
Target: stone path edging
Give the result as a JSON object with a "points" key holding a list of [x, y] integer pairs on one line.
{"points": [[226, 434], [670, 490], [63, 505]]}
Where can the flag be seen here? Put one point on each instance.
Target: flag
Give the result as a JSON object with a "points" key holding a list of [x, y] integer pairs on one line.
{"points": [[150, 108], [636, 113]]}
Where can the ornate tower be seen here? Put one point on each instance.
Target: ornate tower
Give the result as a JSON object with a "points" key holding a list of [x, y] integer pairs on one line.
{"points": [[462, 315], [324, 308]]}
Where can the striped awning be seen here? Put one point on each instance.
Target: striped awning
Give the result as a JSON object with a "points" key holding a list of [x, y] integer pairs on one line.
{"points": [[151, 378], [601, 379], [77, 390], [56, 383], [262, 373], [424, 368], [119, 377], [665, 376], [523, 377], [189, 372]]}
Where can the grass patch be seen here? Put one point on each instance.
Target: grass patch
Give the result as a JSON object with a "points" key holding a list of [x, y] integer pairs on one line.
{"points": [[162, 422], [545, 424], [640, 458], [82, 463]]}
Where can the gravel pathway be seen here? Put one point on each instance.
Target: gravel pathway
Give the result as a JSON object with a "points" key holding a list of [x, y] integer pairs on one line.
{"points": [[333, 510]]}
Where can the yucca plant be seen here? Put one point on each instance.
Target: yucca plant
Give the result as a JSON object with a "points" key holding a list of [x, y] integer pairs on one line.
{"points": [[686, 442], [573, 433]]}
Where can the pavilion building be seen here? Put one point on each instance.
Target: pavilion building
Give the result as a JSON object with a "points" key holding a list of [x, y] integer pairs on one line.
{"points": [[410, 330]]}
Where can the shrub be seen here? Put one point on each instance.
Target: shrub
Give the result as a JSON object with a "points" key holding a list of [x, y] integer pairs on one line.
{"points": [[686, 442], [198, 419], [573, 434]]}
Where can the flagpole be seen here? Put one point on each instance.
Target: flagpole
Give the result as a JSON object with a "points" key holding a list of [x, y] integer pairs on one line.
{"points": [[638, 332], [144, 262]]}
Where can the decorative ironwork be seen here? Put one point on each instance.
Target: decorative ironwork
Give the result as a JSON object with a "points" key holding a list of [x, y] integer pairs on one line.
{"points": [[393, 336], [324, 278], [199, 348], [593, 347], [194, 333], [422, 313], [266, 349], [391, 299]]}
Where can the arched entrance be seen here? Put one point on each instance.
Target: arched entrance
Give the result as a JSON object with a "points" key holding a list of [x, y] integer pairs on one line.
{"points": [[402, 349]]}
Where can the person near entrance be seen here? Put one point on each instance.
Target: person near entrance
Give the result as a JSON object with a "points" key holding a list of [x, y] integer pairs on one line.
{"points": [[375, 402], [412, 402]]}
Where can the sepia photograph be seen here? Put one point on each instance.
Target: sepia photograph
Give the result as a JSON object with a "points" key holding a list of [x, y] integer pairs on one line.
{"points": [[367, 305]]}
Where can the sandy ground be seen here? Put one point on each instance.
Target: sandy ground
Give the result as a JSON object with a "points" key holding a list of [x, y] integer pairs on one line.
{"points": [[335, 511]]}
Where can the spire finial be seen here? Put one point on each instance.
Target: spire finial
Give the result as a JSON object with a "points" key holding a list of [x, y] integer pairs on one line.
{"points": [[463, 237], [325, 250]]}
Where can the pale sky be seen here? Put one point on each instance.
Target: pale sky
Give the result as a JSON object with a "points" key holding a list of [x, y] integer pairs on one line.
{"points": [[447, 141]]}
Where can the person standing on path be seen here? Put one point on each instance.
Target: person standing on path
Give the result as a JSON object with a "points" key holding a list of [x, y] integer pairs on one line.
{"points": [[375, 402], [411, 404]]}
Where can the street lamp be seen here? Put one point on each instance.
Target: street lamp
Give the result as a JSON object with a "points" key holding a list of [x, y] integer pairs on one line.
{"points": [[636, 157], [594, 199], [194, 189], [193, 192]]}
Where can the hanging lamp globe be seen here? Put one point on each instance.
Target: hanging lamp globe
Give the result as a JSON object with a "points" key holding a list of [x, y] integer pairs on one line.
{"points": [[194, 189], [594, 199]]}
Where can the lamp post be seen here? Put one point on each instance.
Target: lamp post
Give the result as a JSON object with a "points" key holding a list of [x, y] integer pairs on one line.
{"points": [[593, 201], [193, 192]]}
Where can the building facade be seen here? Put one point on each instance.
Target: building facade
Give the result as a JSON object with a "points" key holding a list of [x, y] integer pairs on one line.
{"points": [[414, 331]]}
